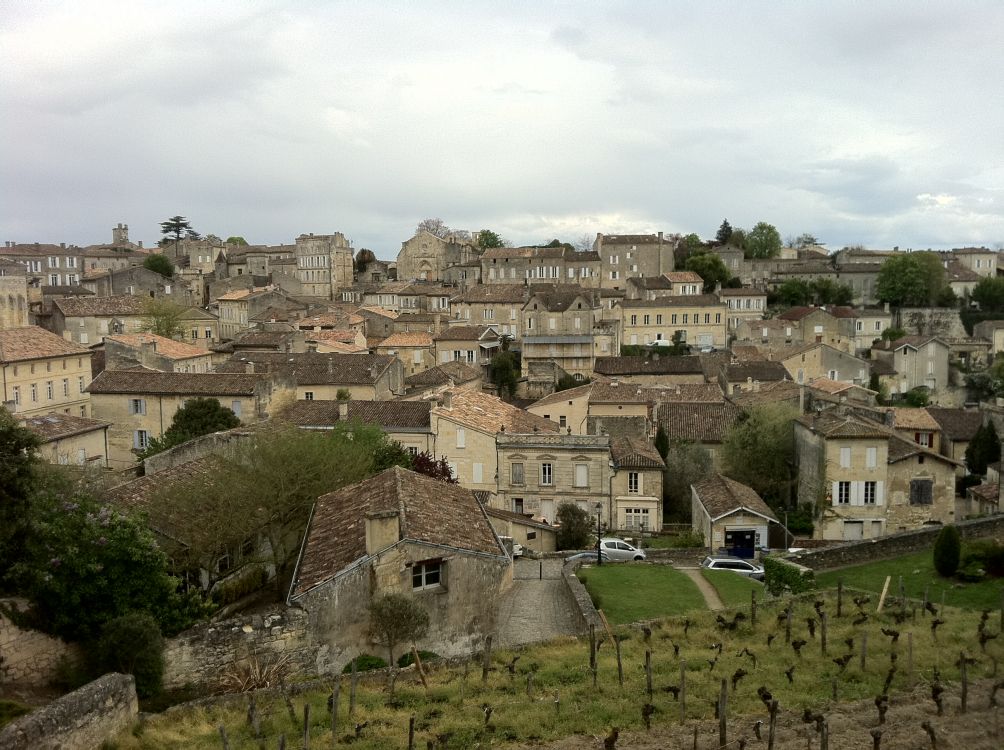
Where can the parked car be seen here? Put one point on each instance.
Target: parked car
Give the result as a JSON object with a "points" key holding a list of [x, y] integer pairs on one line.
{"points": [[513, 546], [587, 557], [735, 564], [618, 549]]}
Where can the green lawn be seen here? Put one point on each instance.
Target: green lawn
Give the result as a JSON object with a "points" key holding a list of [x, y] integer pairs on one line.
{"points": [[918, 572], [627, 592], [734, 589]]}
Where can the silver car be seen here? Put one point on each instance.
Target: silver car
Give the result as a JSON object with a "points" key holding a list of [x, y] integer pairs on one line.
{"points": [[735, 564], [618, 549]]}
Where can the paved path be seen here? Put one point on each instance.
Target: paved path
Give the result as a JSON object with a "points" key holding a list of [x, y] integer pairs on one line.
{"points": [[711, 597], [535, 609]]}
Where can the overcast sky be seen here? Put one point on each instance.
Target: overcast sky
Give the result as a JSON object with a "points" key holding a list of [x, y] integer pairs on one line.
{"points": [[859, 122]]}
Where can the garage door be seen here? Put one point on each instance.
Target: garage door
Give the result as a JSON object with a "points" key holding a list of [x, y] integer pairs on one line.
{"points": [[854, 530]]}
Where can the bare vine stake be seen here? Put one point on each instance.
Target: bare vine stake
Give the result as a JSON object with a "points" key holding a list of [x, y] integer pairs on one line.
{"points": [[824, 737], [1002, 611], [909, 657], [773, 724], [822, 633], [864, 649], [683, 690], [723, 708], [282, 742], [648, 673], [833, 688], [753, 608], [620, 667], [840, 597], [592, 651], [964, 677], [223, 736], [418, 666], [787, 624], [695, 738], [306, 726], [334, 710], [411, 733], [352, 690]]}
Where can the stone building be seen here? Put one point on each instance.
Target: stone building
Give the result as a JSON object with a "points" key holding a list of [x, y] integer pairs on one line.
{"points": [[492, 304], [730, 515], [407, 422], [404, 533], [87, 320], [425, 256], [13, 294], [536, 265], [154, 352], [141, 282], [811, 361], [415, 351], [560, 326], [70, 439], [626, 256], [42, 373], [701, 320], [918, 361], [746, 304], [636, 485], [323, 264]]}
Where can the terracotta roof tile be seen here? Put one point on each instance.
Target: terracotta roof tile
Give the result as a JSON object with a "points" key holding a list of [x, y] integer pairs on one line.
{"points": [[32, 342], [428, 510], [913, 419], [675, 300], [458, 372], [491, 414], [464, 333], [720, 495], [957, 424], [634, 452], [84, 307], [656, 364], [698, 422], [415, 338], [141, 380], [164, 346], [314, 368]]}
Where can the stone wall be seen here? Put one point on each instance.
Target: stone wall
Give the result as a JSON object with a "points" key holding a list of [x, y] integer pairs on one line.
{"points": [[200, 656], [29, 657], [894, 545], [582, 604], [81, 720], [932, 321]]}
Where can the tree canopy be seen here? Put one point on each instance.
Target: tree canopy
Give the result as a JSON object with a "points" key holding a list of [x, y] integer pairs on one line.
{"points": [[989, 293], [363, 258], [574, 527], [691, 243], [232, 240], [199, 416], [763, 241], [487, 238], [440, 228], [724, 233], [686, 463], [911, 280], [159, 263], [759, 451], [18, 460], [395, 619], [710, 268], [163, 317], [983, 449], [175, 228], [504, 372]]}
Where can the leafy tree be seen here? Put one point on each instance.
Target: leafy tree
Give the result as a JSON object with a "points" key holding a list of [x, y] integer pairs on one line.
{"points": [[804, 240], [343, 394], [18, 460], [911, 280], [175, 228], [266, 486], [575, 527], [236, 241], [396, 618], [662, 442], [503, 372], [984, 449], [487, 238], [686, 463], [199, 416], [691, 244], [763, 241], [132, 644], [738, 238], [390, 453], [426, 463], [917, 397], [829, 292], [568, 381], [989, 293], [214, 239], [946, 297], [709, 267], [363, 258], [87, 564], [159, 263], [759, 451], [679, 347], [947, 551], [163, 317], [724, 233], [794, 293], [893, 333]]}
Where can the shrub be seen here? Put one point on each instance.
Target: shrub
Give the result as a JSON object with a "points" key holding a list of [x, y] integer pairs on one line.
{"points": [[574, 527], [365, 663], [687, 540], [407, 659], [986, 554], [781, 574], [240, 585], [947, 551], [133, 644]]}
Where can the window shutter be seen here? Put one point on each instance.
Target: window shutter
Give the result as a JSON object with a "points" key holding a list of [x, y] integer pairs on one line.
{"points": [[878, 493], [835, 493], [477, 476]]}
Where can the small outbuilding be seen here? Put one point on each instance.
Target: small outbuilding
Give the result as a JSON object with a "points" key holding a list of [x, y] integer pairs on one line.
{"points": [[730, 515]]}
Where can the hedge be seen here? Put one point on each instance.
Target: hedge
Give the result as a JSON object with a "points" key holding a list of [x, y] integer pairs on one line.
{"points": [[781, 575]]}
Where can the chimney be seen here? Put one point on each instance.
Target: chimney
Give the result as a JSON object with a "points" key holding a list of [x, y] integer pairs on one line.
{"points": [[343, 411], [447, 399], [62, 245], [383, 528]]}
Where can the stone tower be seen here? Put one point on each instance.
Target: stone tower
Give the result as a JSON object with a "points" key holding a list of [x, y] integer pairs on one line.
{"points": [[120, 234], [13, 295]]}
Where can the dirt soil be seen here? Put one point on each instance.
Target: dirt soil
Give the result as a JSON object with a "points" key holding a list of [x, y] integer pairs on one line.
{"points": [[849, 726]]}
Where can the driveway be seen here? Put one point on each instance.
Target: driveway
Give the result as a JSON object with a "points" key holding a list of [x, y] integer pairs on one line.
{"points": [[538, 607]]}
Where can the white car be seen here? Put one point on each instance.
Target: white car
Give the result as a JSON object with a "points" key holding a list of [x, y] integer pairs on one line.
{"points": [[735, 564], [618, 549]]}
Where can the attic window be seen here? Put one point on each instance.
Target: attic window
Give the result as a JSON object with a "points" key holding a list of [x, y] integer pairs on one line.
{"points": [[427, 574]]}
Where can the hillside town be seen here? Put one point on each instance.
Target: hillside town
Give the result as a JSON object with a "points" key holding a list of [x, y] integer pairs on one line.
{"points": [[739, 394]]}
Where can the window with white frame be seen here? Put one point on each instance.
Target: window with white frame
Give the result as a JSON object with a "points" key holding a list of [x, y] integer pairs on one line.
{"points": [[636, 518], [870, 493], [634, 482], [141, 440], [66, 386], [547, 474], [235, 407], [843, 493], [427, 574], [308, 396], [461, 437], [34, 392], [17, 395]]}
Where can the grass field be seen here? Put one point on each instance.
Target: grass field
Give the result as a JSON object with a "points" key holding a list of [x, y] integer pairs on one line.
{"points": [[628, 593], [733, 589], [563, 700], [918, 574]]}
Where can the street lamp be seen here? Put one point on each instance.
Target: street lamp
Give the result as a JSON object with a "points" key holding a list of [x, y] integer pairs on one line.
{"points": [[599, 551]]}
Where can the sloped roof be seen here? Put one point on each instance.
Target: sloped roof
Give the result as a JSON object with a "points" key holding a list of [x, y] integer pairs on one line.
{"points": [[559, 298], [494, 293], [913, 419], [31, 342], [164, 346], [720, 496], [901, 448], [673, 300], [314, 368], [778, 391], [681, 277], [657, 364], [833, 425], [765, 370], [83, 307], [698, 422], [428, 510], [415, 338], [442, 374], [566, 395], [408, 415], [58, 426], [462, 333], [487, 413], [140, 380], [957, 424], [635, 453]]}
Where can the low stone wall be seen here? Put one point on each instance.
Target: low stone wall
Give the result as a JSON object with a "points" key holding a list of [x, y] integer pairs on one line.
{"points": [[579, 599], [201, 655], [81, 720], [30, 657], [894, 545]]}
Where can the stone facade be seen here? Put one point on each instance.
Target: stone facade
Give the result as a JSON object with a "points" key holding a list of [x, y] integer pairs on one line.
{"points": [[425, 256], [29, 657], [82, 720], [13, 295], [626, 256], [700, 318], [323, 264]]}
